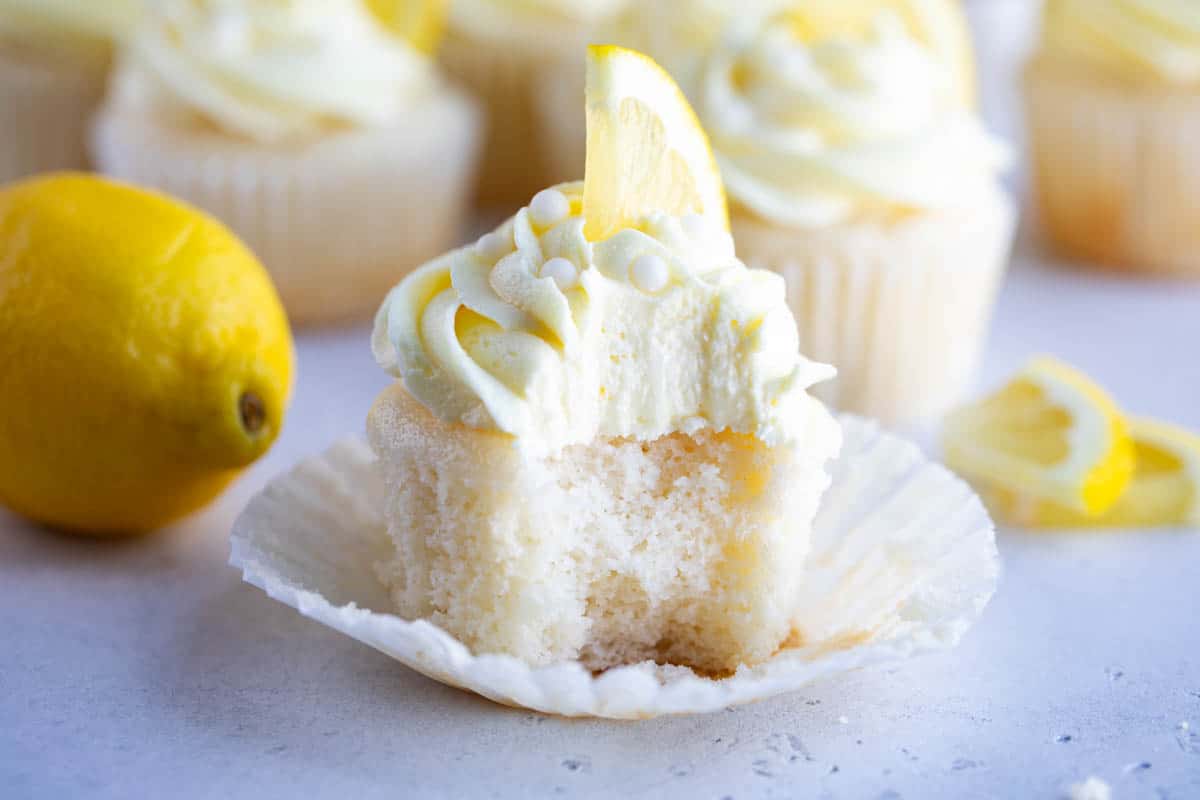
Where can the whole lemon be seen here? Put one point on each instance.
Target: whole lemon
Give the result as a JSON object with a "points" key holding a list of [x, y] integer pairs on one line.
{"points": [[145, 358]]}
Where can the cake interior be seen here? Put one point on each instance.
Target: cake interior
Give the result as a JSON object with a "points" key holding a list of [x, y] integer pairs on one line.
{"points": [[686, 549]]}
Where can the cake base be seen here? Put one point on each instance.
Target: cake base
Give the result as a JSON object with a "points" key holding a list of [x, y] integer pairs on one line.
{"points": [[677, 550]]}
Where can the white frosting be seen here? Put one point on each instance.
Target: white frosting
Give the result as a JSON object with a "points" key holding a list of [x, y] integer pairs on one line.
{"points": [[1139, 38], [273, 70], [814, 133], [661, 329]]}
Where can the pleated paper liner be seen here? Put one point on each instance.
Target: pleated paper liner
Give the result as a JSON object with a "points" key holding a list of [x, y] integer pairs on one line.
{"points": [[336, 220], [903, 562]]}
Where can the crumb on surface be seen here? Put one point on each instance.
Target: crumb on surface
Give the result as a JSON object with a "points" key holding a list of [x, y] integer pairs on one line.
{"points": [[1091, 789]]}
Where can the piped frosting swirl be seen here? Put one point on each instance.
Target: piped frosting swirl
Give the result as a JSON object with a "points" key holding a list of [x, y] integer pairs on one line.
{"points": [[812, 133], [539, 333], [1134, 38], [272, 70]]}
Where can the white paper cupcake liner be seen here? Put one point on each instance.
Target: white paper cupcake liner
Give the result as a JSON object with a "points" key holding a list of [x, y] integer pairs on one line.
{"points": [[1116, 169], [901, 308], [45, 107], [903, 562], [337, 221]]}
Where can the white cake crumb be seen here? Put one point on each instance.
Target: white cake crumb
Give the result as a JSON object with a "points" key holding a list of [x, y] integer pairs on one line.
{"points": [[680, 550], [1091, 789], [843, 721], [1183, 726]]}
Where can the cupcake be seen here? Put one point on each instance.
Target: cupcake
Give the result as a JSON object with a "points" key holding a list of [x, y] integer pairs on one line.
{"points": [[856, 169], [601, 448], [327, 143], [1113, 109], [510, 53], [54, 59]]}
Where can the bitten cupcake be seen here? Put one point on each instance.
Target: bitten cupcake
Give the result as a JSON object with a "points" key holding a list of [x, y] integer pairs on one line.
{"points": [[330, 145], [1113, 109], [54, 59], [857, 169], [509, 53], [601, 448]]}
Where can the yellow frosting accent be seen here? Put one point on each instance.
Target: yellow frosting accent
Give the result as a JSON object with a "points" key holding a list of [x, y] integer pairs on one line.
{"points": [[88, 24], [813, 133], [1134, 38], [273, 70], [480, 336]]}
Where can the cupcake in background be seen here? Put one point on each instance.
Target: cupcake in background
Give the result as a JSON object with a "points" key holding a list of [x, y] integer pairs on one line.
{"points": [[54, 60], [311, 127], [510, 54], [856, 167], [1113, 110]]}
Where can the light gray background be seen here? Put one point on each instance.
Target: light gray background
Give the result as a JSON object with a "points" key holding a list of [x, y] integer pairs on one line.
{"points": [[147, 669]]}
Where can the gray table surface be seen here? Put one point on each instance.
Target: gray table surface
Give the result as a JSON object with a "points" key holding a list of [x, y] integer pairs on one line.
{"points": [[147, 669]]}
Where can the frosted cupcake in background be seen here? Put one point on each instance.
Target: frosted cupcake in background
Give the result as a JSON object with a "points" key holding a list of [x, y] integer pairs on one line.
{"points": [[54, 60], [510, 54], [1113, 107], [325, 140], [857, 169]]}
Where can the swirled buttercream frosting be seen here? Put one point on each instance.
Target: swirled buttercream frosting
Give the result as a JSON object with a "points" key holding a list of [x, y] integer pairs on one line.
{"points": [[1133, 38], [272, 70], [813, 133], [537, 332]]}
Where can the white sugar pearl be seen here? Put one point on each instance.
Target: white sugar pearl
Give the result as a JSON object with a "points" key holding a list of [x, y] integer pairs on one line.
{"points": [[562, 271], [649, 273], [548, 207], [694, 225], [493, 246]]}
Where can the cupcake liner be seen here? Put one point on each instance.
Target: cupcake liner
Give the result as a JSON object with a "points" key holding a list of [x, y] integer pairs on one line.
{"points": [[507, 78], [901, 308], [336, 221], [46, 107], [903, 562], [1116, 169]]}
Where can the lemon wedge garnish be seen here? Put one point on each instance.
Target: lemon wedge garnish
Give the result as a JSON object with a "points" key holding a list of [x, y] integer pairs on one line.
{"points": [[421, 23], [646, 150], [1164, 491], [939, 24], [1049, 435]]}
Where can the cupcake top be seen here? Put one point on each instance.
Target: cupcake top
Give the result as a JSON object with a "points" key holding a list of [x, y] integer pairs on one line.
{"points": [[537, 332], [271, 70], [1138, 39], [814, 131], [506, 20], [69, 25]]}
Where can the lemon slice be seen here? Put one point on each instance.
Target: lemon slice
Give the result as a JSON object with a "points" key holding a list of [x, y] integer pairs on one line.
{"points": [[939, 24], [1049, 435], [1164, 491], [419, 22], [646, 151]]}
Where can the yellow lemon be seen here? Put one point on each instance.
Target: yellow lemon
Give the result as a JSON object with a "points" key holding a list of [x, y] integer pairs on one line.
{"points": [[144, 355], [419, 22], [940, 24], [646, 150], [1164, 490], [1049, 435]]}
